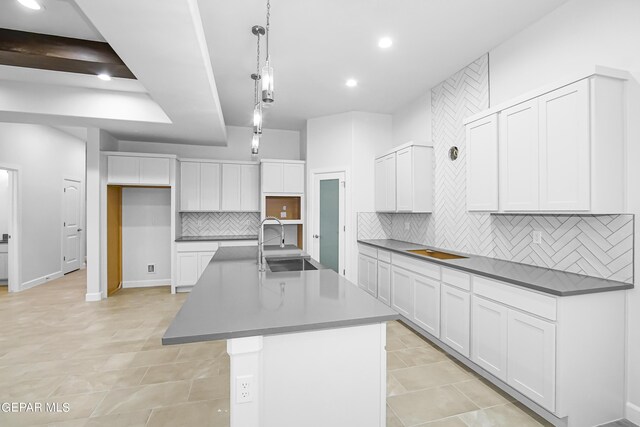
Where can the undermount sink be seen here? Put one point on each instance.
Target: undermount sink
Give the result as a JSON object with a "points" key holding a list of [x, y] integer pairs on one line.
{"points": [[435, 254], [296, 264]]}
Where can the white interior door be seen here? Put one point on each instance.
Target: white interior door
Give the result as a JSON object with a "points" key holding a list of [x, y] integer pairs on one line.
{"points": [[328, 213], [72, 226]]}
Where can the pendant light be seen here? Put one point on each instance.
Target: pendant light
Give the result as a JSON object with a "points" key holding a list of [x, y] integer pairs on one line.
{"points": [[257, 105], [267, 70]]}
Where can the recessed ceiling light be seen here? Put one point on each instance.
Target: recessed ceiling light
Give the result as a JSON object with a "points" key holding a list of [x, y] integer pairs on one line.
{"points": [[105, 77], [352, 83], [385, 42], [31, 4]]}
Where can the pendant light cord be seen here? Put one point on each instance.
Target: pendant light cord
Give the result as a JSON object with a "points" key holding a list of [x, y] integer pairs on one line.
{"points": [[268, 19]]}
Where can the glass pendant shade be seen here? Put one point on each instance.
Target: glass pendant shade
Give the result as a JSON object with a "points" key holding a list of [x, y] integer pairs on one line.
{"points": [[267, 82], [257, 119], [255, 144]]}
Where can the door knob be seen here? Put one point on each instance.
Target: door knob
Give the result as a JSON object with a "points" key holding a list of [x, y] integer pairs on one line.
{"points": [[79, 229], [315, 236]]}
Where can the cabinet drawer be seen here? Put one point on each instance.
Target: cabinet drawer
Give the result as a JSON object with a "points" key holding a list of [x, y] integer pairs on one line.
{"points": [[384, 256], [228, 243], [532, 302], [197, 246], [456, 278], [417, 266], [368, 250]]}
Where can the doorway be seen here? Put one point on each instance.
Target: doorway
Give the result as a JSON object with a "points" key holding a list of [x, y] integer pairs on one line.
{"points": [[9, 228], [328, 210], [72, 258]]}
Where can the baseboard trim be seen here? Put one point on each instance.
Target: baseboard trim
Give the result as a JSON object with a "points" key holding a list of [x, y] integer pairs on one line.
{"points": [[93, 296], [40, 280], [145, 283], [633, 413]]}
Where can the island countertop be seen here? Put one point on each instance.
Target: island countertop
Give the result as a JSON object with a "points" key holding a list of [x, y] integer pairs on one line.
{"points": [[541, 279], [233, 299]]}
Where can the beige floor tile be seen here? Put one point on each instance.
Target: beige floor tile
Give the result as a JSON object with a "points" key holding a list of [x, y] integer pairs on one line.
{"points": [[213, 413], [394, 362], [129, 419], [143, 397], [499, 416], [202, 351], [155, 357], [429, 405], [210, 388], [392, 420], [420, 356], [411, 341], [446, 422], [181, 371], [395, 344], [394, 387], [100, 381], [29, 390], [432, 375], [483, 394]]}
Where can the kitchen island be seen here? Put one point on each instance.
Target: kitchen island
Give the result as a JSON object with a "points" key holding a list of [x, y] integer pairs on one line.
{"points": [[306, 347]]}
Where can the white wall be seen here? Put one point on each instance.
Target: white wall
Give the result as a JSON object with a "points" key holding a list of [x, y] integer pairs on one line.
{"points": [[45, 155], [4, 203], [412, 122], [275, 144], [583, 33], [146, 236]]}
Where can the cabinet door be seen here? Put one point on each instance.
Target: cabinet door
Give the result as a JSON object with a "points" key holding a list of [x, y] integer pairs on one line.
{"points": [[404, 180], [384, 282], [531, 346], [155, 171], [565, 149], [427, 304], [454, 326], [4, 266], [204, 258], [250, 188], [123, 170], [402, 291], [482, 164], [188, 270], [272, 178], [390, 178], [489, 342], [210, 186], [380, 185], [231, 187], [189, 186], [293, 178], [367, 274], [519, 168]]}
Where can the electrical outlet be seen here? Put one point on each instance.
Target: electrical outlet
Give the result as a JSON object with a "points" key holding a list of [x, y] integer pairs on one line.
{"points": [[244, 389], [283, 214], [537, 237], [406, 226], [151, 268]]}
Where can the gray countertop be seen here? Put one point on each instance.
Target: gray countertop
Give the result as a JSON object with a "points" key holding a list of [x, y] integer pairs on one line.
{"points": [[216, 238], [232, 299], [541, 279], [4, 242]]}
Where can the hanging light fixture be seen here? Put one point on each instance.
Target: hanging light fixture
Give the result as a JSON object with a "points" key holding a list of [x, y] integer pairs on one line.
{"points": [[267, 70], [257, 104]]}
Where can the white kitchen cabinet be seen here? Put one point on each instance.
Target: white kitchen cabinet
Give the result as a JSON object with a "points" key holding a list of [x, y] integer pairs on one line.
{"points": [[385, 182], [519, 171], [209, 186], [155, 171], [531, 348], [204, 258], [489, 337], [188, 269], [282, 177], [455, 319], [138, 170], [231, 187], [404, 183], [380, 182], [192, 259], [250, 185], [368, 274], [564, 149], [427, 304], [189, 186], [121, 169], [384, 282], [482, 164], [402, 291]]}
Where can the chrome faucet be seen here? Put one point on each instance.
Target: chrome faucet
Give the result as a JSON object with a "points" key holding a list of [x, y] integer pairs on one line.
{"points": [[261, 259]]}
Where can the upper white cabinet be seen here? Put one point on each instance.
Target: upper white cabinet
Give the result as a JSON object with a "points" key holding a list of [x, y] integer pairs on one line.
{"points": [[213, 186], [404, 179], [560, 149], [138, 170], [279, 176], [482, 164]]}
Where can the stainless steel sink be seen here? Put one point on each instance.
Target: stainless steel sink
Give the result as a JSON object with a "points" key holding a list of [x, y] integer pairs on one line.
{"points": [[291, 264]]}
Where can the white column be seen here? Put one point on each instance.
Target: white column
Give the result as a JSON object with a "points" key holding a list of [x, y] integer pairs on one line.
{"points": [[93, 215], [246, 362]]}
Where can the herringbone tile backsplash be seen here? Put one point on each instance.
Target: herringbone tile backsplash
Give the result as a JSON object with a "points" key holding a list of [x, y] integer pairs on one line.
{"points": [[219, 223]]}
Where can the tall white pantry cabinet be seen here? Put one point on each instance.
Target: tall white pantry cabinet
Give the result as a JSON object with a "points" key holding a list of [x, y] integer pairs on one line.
{"points": [[558, 149]]}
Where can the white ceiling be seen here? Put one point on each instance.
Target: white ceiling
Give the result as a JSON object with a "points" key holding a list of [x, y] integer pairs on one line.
{"points": [[317, 44]]}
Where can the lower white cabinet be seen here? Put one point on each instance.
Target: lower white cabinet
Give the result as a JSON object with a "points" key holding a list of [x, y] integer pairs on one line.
{"points": [[427, 304], [455, 319], [384, 282], [531, 347], [489, 342], [188, 270], [402, 291], [368, 274], [204, 258], [4, 264]]}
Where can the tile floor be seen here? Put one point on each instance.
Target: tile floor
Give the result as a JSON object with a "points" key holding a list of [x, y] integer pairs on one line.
{"points": [[105, 359]]}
